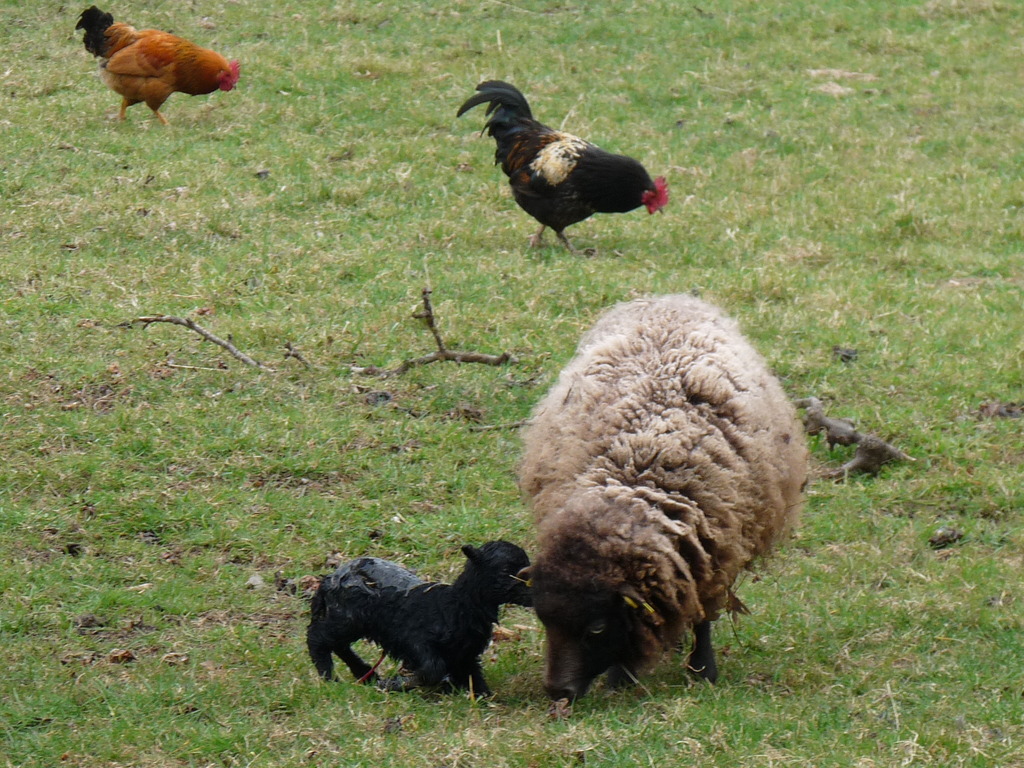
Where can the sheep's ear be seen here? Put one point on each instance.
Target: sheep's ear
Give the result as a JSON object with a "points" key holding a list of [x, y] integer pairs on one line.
{"points": [[471, 553], [526, 575]]}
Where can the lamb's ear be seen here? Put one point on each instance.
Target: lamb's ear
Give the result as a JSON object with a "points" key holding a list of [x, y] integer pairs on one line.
{"points": [[525, 575], [632, 598], [471, 553]]}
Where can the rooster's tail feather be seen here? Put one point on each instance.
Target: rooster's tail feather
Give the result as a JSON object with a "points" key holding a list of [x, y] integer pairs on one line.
{"points": [[503, 99]]}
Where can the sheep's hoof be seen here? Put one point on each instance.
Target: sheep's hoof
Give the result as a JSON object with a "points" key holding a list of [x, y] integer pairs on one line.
{"points": [[703, 667]]}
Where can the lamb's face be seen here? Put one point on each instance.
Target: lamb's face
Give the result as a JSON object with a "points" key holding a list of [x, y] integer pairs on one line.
{"points": [[587, 634], [497, 565], [518, 593]]}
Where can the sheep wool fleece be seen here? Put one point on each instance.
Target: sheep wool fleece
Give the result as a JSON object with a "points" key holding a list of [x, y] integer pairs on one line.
{"points": [[663, 461]]}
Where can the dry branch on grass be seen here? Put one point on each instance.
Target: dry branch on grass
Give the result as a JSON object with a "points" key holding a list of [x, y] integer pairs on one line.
{"points": [[442, 353], [837, 431], [872, 451], [291, 351], [492, 427], [187, 322]]}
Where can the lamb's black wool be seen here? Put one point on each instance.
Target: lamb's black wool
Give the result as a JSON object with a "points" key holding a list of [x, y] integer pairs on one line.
{"points": [[437, 631]]}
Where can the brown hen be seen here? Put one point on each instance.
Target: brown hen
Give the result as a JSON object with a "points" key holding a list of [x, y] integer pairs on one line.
{"points": [[149, 65]]}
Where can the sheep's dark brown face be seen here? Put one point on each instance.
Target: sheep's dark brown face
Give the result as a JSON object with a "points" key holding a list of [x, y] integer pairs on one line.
{"points": [[587, 634]]}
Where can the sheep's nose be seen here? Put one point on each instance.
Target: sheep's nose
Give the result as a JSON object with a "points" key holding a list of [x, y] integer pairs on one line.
{"points": [[557, 692]]}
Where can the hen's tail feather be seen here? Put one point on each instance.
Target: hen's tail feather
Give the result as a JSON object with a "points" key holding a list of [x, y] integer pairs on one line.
{"points": [[95, 22], [499, 94]]}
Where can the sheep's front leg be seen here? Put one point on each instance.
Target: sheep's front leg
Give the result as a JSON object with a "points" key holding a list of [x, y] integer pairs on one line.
{"points": [[702, 658]]}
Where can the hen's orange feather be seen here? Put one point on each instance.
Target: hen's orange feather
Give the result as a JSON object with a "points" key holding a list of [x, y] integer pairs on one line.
{"points": [[149, 65]]}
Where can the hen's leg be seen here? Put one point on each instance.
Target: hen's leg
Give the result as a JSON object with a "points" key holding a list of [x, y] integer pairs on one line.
{"points": [[536, 238], [154, 102]]}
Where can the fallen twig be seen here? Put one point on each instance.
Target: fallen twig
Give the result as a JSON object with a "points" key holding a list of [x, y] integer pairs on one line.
{"points": [[442, 353], [191, 324], [192, 367], [490, 427], [872, 451], [290, 351], [837, 431], [996, 410]]}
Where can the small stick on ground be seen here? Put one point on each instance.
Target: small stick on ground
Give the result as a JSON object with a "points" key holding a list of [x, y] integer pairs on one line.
{"points": [[837, 431], [193, 367], [872, 451], [442, 353], [290, 351], [191, 324], [491, 427]]}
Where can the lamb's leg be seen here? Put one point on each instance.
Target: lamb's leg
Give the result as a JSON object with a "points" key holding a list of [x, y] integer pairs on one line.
{"points": [[427, 670], [399, 683], [323, 639], [357, 666], [702, 658], [469, 677], [320, 645], [477, 683]]}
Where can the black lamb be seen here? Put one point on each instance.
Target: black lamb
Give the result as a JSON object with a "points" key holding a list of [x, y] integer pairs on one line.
{"points": [[437, 631]]}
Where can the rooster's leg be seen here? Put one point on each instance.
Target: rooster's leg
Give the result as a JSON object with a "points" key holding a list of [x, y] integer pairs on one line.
{"points": [[536, 238], [570, 246]]}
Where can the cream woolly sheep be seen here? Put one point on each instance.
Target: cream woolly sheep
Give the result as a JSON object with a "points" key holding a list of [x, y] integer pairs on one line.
{"points": [[664, 460]]}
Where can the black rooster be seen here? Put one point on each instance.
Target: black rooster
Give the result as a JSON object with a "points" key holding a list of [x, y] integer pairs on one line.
{"points": [[556, 177]]}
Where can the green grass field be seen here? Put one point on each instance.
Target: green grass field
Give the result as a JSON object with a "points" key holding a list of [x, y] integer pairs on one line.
{"points": [[843, 174]]}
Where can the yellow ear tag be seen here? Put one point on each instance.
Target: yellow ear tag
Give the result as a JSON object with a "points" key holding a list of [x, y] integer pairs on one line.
{"points": [[633, 604]]}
